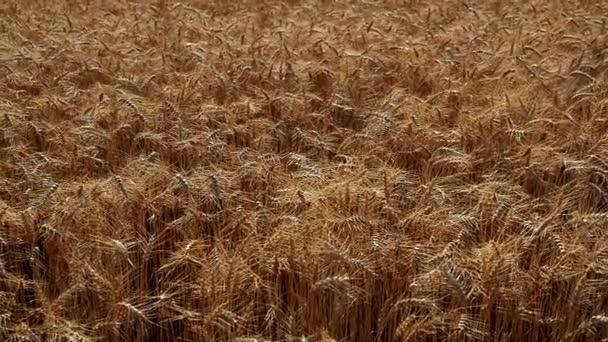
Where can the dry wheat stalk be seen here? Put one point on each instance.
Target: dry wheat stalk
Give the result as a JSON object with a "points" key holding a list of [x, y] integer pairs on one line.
{"points": [[299, 170]]}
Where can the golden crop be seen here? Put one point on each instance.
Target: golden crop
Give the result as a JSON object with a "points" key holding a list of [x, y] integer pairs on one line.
{"points": [[303, 170]]}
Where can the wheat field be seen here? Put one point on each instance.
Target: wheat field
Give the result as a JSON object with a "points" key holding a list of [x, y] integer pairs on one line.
{"points": [[303, 170]]}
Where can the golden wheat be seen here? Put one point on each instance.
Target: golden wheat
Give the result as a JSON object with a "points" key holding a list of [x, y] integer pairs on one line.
{"points": [[302, 170]]}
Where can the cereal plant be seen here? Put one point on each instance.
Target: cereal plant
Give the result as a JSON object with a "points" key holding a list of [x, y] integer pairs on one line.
{"points": [[299, 170]]}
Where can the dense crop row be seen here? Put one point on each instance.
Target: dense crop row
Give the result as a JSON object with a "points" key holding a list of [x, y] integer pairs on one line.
{"points": [[314, 170]]}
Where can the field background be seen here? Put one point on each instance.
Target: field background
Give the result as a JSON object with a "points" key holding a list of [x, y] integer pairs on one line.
{"points": [[303, 170]]}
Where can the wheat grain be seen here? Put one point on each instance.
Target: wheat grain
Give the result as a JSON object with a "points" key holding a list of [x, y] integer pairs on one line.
{"points": [[303, 170]]}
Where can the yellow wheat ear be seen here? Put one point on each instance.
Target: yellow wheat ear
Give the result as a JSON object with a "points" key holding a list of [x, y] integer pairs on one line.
{"points": [[303, 170]]}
